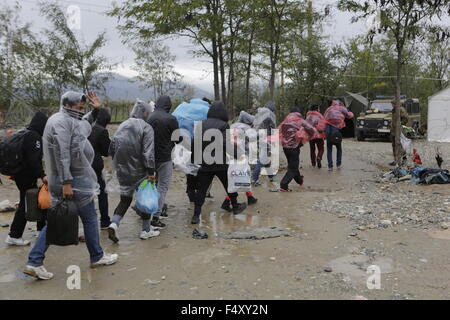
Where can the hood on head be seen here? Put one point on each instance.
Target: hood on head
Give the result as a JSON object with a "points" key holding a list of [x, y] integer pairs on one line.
{"points": [[270, 105], [295, 109], [336, 103], [139, 110], [218, 111], [103, 117], [246, 118], [71, 98], [164, 103], [38, 123]]}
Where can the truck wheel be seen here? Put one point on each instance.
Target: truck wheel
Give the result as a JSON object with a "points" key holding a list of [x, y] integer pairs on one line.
{"points": [[360, 136]]}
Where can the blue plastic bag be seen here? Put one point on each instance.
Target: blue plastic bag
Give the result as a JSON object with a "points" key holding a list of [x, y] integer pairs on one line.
{"points": [[188, 113], [147, 198]]}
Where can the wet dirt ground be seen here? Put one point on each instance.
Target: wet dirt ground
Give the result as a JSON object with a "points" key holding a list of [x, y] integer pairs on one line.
{"points": [[323, 258]]}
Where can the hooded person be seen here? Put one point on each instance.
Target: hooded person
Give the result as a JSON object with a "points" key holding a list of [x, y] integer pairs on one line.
{"points": [[240, 132], [265, 119], [133, 152], [294, 132], [334, 120], [212, 163], [100, 141], [314, 118], [68, 156], [164, 125], [30, 171], [187, 115]]}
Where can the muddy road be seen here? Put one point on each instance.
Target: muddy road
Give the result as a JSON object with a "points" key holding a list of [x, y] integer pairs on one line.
{"points": [[337, 228]]}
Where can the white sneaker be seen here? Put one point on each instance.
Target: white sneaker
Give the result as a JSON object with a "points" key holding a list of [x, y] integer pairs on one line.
{"points": [[150, 234], [16, 241], [106, 260], [38, 272], [113, 232]]}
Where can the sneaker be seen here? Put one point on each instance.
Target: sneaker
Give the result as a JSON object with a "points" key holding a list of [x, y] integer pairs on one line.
{"points": [[251, 200], [195, 219], [164, 211], [104, 225], [330, 169], [149, 234], [239, 208], [157, 224], [226, 205], [81, 238], [17, 241], [339, 167], [302, 180], [38, 272], [113, 232], [106, 260], [285, 190], [257, 183], [319, 162]]}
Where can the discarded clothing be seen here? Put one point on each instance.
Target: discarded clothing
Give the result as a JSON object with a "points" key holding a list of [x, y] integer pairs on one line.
{"points": [[199, 234]]}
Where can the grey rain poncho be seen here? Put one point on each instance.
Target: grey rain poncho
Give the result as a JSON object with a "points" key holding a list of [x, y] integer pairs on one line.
{"points": [[241, 133], [68, 154], [132, 149]]}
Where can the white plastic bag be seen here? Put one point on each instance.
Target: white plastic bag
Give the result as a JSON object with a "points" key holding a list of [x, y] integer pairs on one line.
{"points": [[406, 143], [181, 158], [239, 176]]}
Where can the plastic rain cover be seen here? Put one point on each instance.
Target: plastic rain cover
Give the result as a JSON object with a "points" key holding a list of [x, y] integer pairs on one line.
{"points": [[68, 155]]}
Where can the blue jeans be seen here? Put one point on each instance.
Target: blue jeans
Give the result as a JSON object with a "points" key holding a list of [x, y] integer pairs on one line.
{"points": [[89, 219], [331, 130], [257, 170]]}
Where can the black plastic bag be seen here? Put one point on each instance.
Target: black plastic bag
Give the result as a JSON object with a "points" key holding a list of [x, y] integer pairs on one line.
{"points": [[32, 211], [62, 224]]}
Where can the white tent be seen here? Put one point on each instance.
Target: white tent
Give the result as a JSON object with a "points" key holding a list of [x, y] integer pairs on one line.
{"points": [[439, 116]]}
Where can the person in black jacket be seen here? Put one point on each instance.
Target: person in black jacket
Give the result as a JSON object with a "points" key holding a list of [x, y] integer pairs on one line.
{"points": [[100, 141], [164, 124], [27, 178], [217, 119]]}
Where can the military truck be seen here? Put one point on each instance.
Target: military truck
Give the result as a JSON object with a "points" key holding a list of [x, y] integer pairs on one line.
{"points": [[376, 121]]}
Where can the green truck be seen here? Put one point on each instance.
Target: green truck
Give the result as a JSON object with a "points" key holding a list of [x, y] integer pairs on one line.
{"points": [[376, 121]]}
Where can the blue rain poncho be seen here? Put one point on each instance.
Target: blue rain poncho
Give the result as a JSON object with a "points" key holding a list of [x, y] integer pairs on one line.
{"points": [[189, 113]]}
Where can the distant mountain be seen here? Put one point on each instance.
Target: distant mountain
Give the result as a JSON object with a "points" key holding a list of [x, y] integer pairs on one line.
{"points": [[121, 88]]}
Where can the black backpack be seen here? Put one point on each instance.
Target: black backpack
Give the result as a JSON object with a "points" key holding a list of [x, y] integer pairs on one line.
{"points": [[11, 154], [335, 137]]}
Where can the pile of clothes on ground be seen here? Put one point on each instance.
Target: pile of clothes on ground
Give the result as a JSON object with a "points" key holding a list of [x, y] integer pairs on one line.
{"points": [[419, 175]]}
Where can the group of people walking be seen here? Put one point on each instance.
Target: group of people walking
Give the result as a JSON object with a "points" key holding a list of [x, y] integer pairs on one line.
{"points": [[72, 144]]}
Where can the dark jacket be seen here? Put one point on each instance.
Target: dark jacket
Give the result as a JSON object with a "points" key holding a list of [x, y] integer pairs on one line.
{"points": [[164, 124], [32, 147], [99, 138], [217, 119]]}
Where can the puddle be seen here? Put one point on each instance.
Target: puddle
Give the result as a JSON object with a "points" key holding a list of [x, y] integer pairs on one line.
{"points": [[440, 234], [356, 266], [217, 222]]}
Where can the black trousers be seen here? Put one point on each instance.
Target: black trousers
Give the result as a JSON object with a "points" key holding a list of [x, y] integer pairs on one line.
{"points": [[124, 204], [204, 180], [23, 182], [102, 198], [293, 172], [191, 186]]}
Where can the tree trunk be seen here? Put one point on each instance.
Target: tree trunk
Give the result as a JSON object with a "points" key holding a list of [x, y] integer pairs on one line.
{"points": [[396, 121], [249, 69], [215, 58], [222, 70], [272, 74]]}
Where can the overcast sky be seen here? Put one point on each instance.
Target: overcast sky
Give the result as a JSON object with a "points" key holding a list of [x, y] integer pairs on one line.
{"points": [[196, 71]]}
